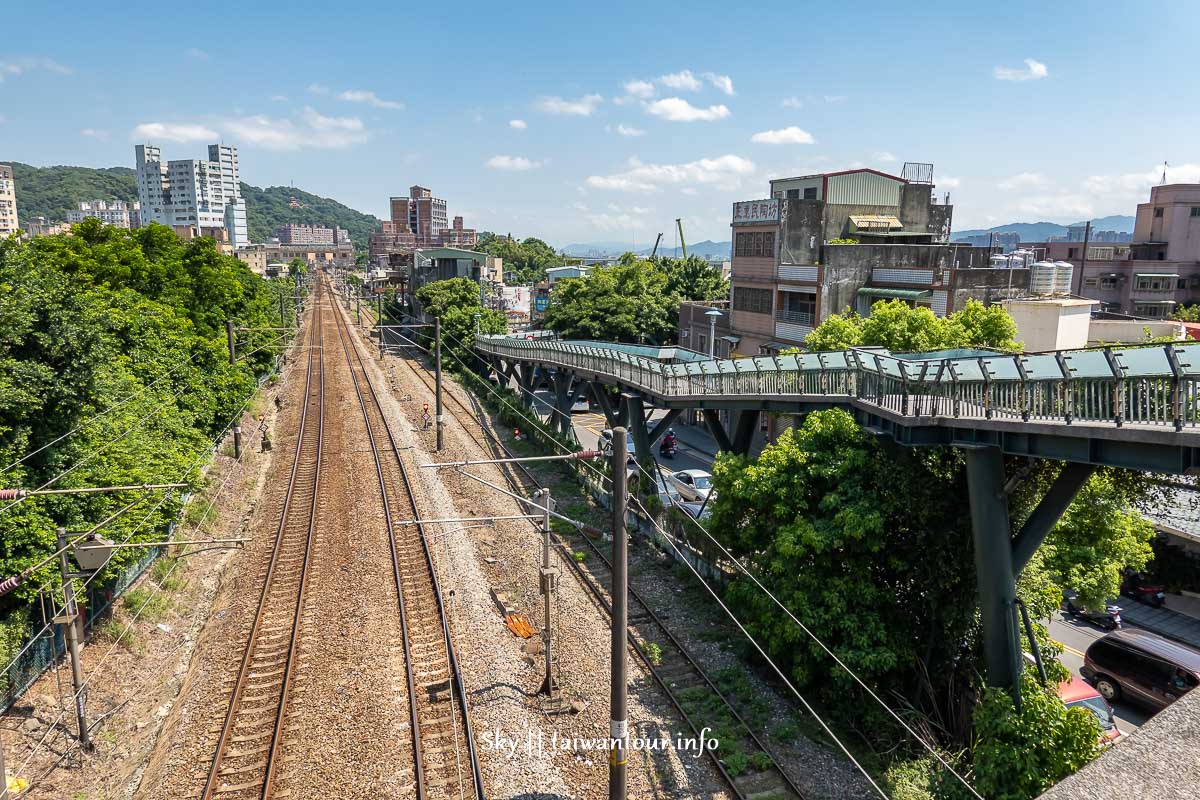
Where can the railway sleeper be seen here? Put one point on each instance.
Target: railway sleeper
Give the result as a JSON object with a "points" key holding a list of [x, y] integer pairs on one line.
{"points": [[767, 783]]}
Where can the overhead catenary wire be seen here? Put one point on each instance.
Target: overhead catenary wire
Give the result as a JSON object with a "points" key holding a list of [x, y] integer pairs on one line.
{"points": [[931, 749], [725, 608]]}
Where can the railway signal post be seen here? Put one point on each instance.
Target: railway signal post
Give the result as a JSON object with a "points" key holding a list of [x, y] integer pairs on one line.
{"points": [[70, 622], [618, 726]]}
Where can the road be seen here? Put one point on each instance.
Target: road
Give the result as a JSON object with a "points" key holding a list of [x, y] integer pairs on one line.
{"points": [[1074, 635]]}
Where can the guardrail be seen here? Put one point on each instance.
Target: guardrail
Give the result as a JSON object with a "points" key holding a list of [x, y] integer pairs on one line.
{"points": [[1155, 385]]}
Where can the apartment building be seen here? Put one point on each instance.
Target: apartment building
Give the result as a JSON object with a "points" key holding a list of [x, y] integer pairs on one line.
{"points": [[1156, 272], [111, 212], [197, 196], [840, 241], [40, 226], [8, 202], [305, 234], [418, 221]]}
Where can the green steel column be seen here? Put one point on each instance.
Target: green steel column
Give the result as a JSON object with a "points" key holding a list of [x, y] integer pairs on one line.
{"points": [[993, 563]]}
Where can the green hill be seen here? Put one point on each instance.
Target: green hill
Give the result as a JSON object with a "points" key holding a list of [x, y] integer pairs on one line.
{"points": [[267, 209], [53, 191]]}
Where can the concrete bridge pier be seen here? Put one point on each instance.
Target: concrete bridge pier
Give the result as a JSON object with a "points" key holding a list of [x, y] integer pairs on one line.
{"points": [[999, 557]]}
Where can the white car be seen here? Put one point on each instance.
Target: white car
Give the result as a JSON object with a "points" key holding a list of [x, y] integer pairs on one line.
{"points": [[691, 484], [581, 406], [605, 443]]}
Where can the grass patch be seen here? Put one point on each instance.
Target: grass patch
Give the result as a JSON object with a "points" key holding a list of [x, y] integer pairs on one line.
{"points": [[147, 604]]}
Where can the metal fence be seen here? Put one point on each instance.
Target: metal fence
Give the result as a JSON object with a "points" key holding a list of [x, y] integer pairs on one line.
{"points": [[1156, 385]]}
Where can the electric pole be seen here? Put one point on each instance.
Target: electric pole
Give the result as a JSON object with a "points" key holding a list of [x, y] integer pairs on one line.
{"points": [[618, 725], [229, 339], [437, 379], [69, 621], [549, 687]]}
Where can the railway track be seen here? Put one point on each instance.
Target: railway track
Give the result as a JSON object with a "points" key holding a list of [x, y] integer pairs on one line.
{"points": [[752, 772], [444, 763], [246, 757]]}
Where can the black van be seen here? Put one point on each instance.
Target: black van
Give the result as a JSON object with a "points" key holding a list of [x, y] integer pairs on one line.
{"points": [[1141, 667]]}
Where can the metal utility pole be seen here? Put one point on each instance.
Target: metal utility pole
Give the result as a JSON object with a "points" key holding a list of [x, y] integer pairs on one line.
{"points": [[358, 308], [237, 442], [229, 339], [549, 686], [1087, 237], [618, 725], [69, 621], [437, 380], [379, 324]]}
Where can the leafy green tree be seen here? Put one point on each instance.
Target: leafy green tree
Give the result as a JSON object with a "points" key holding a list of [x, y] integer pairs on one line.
{"points": [[622, 303], [297, 268], [528, 258], [1018, 756], [1187, 313], [456, 301], [693, 278], [901, 328]]}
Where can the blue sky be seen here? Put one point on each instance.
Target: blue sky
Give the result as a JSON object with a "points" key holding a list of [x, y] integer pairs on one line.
{"points": [[607, 121]]}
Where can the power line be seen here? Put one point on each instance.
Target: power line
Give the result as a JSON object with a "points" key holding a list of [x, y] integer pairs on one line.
{"points": [[932, 750]]}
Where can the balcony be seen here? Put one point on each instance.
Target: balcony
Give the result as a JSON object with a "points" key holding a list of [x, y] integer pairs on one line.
{"points": [[794, 317]]}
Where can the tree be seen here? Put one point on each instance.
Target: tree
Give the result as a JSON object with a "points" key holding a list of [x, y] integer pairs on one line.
{"points": [[693, 278], [1187, 313], [1018, 756], [297, 267], [901, 328], [621, 303], [456, 302], [529, 258]]}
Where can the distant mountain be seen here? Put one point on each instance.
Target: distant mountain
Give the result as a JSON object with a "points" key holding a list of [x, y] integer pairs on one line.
{"points": [[1040, 231], [53, 191], [707, 249], [267, 209]]}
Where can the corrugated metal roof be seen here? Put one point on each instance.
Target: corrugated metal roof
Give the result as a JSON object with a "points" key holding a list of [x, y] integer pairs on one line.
{"points": [[863, 188]]}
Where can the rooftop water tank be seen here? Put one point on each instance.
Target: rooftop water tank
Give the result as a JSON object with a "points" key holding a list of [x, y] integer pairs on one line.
{"points": [[1050, 277]]}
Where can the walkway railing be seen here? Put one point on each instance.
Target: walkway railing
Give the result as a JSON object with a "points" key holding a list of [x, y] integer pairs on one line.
{"points": [[1155, 385]]}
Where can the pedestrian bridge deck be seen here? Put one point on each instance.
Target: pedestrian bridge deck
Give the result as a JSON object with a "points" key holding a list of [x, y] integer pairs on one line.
{"points": [[1135, 406]]}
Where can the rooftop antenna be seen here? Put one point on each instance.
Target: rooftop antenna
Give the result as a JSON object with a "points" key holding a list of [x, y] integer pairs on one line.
{"points": [[1164, 175]]}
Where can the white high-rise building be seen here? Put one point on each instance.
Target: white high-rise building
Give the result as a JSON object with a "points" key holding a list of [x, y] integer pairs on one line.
{"points": [[8, 202], [110, 212], [192, 193]]}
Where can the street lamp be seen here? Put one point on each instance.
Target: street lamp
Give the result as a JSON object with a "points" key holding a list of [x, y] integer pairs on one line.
{"points": [[712, 314]]}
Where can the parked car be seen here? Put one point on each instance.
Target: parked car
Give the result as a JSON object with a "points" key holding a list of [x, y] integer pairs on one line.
{"points": [[581, 406], [692, 484], [1141, 667], [1077, 693]]}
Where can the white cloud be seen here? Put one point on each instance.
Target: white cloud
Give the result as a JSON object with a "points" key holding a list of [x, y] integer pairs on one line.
{"points": [[684, 80], [676, 109], [1067, 204], [1024, 180], [722, 82], [629, 130], [317, 88], [1033, 71], [513, 163], [723, 171], [946, 182], [638, 88], [789, 135], [196, 53], [583, 107], [313, 130], [92, 133], [173, 132], [517, 124], [792, 102], [370, 98], [885, 157], [279, 98], [1130, 188], [19, 66]]}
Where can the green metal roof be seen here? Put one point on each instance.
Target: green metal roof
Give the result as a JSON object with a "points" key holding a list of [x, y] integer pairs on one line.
{"points": [[902, 294]]}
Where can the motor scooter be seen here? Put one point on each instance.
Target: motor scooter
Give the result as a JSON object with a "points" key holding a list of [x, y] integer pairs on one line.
{"points": [[1109, 619]]}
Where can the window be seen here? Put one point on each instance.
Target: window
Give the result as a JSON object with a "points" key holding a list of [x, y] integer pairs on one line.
{"points": [[755, 244], [1158, 212], [1090, 283], [1108, 283], [1157, 283], [794, 194], [810, 193], [797, 307], [701, 343], [757, 301], [1196, 211]]}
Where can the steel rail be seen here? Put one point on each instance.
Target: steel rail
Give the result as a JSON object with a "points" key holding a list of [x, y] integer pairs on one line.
{"points": [[211, 785], [597, 592], [348, 347]]}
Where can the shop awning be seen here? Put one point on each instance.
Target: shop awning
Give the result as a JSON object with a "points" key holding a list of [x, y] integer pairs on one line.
{"points": [[731, 339], [896, 294], [1156, 275], [869, 222]]}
